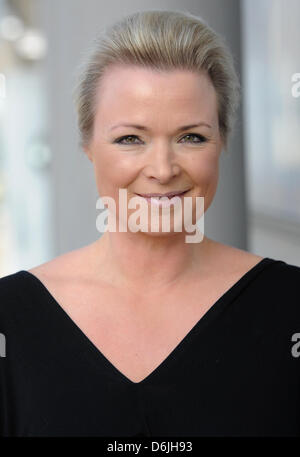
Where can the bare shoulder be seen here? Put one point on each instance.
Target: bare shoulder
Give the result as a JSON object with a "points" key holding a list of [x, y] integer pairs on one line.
{"points": [[232, 259], [63, 267], [67, 278], [240, 257]]}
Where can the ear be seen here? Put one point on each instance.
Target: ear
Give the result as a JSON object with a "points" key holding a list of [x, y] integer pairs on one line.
{"points": [[88, 153], [222, 144]]}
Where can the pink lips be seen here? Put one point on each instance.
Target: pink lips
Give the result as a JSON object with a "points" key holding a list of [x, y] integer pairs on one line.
{"points": [[168, 194], [156, 200]]}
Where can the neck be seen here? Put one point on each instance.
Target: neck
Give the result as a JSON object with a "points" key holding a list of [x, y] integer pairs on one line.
{"points": [[147, 263]]}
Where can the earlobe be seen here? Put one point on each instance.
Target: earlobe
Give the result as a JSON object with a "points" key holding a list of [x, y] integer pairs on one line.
{"points": [[88, 153], [221, 145]]}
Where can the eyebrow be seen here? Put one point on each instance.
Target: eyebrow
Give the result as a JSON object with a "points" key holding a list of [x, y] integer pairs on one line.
{"points": [[180, 129]]}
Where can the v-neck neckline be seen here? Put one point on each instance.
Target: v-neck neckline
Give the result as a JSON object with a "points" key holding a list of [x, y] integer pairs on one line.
{"points": [[212, 312]]}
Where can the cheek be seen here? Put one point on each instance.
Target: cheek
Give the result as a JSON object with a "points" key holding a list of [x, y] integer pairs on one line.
{"points": [[113, 172], [205, 170]]}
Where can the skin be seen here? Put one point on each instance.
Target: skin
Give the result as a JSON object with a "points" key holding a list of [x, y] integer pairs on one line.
{"points": [[157, 160], [136, 295]]}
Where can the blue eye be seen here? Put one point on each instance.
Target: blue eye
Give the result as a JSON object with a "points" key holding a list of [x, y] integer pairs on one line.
{"points": [[201, 139]]}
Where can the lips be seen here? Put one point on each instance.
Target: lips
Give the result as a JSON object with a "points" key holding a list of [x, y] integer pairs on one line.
{"points": [[168, 194]]}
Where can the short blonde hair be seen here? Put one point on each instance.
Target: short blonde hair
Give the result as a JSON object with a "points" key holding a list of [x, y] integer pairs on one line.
{"points": [[160, 40]]}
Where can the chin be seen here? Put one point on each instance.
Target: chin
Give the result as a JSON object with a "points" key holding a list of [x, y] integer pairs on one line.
{"points": [[180, 232], [160, 233]]}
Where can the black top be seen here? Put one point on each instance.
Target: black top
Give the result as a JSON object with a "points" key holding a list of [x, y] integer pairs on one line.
{"points": [[236, 373]]}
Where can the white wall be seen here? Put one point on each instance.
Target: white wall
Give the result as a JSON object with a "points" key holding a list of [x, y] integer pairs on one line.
{"points": [[271, 35]]}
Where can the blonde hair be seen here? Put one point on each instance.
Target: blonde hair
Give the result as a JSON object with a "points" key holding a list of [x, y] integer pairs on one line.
{"points": [[159, 40]]}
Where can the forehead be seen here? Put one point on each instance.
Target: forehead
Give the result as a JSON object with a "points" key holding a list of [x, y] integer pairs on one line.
{"points": [[132, 90]]}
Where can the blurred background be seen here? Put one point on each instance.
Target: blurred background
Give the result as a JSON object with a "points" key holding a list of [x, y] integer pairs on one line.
{"points": [[47, 188]]}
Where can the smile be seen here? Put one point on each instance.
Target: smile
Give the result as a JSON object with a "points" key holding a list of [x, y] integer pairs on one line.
{"points": [[156, 199], [168, 194]]}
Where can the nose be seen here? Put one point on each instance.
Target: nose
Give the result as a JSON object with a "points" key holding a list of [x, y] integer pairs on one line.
{"points": [[161, 164]]}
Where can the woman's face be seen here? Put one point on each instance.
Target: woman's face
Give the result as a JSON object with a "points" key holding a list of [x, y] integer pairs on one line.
{"points": [[155, 154]]}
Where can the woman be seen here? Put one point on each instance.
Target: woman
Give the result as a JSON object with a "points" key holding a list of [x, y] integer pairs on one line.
{"points": [[141, 332]]}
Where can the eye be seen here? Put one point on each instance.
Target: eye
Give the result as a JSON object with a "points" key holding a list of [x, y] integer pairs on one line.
{"points": [[201, 139], [119, 140], [196, 135]]}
